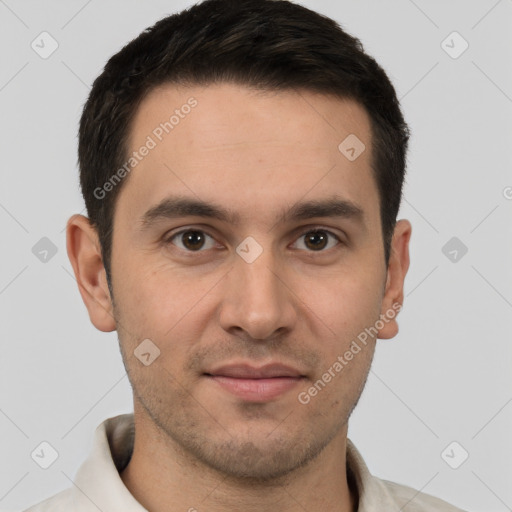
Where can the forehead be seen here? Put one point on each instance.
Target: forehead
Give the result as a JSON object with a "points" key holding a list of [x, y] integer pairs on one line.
{"points": [[248, 150]]}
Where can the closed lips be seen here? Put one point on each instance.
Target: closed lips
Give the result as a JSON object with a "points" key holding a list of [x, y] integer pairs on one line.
{"points": [[244, 371]]}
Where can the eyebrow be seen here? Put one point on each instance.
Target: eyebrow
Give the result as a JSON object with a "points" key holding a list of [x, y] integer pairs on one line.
{"points": [[176, 207]]}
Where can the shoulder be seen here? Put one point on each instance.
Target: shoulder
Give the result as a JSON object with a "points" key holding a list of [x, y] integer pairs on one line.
{"points": [[416, 501], [377, 494], [60, 502]]}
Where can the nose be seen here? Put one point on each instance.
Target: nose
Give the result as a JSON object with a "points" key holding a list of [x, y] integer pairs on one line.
{"points": [[258, 299]]}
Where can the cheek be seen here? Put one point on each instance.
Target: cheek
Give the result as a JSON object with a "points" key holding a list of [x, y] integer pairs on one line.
{"points": [[139, 299], [345, 302], [146, 285], [161, 303]]}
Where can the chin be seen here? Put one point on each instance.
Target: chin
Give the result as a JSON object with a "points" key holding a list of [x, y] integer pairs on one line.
{"points": [[257, 462]]}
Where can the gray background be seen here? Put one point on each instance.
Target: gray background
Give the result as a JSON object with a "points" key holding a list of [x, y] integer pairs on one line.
{"points": [[446, 376]]}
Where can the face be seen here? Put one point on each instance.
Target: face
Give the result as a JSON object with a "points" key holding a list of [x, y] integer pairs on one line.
{"points": [[253, 289]]}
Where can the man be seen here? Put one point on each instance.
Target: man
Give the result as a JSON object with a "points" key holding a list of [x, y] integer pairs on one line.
{"points": [[242, 166]]}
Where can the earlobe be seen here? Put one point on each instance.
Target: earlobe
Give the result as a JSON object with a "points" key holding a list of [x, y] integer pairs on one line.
{"points": [[84, 253], [397, 269]]}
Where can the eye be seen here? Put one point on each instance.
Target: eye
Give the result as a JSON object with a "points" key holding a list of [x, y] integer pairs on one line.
{"points": [[192, 240], [196, 240], [318, 239]]}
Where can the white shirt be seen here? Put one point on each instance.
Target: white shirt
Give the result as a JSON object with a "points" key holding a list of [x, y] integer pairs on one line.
{"points": [[98, 486]]}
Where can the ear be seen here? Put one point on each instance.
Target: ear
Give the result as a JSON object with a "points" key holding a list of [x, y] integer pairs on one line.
{"points": [[397, 269], [84, 252]]}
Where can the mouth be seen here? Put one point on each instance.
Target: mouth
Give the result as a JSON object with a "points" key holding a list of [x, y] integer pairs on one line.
{"points": [[256, 384]]}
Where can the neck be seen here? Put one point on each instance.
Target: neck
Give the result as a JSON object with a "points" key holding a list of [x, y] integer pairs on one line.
{"points": [[162, 476]]}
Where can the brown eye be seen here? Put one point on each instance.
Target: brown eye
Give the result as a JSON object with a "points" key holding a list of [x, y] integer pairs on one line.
{"points": [[318, 239], [192, 240]]}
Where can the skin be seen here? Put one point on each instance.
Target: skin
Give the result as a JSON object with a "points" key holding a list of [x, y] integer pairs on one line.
{"points": [[196, 444]]}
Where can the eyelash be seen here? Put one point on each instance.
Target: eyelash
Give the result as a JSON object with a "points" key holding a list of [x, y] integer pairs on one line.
{"points": [[303, 233]]}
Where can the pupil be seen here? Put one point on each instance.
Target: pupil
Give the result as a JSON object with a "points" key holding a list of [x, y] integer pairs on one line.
{"points": [[315, 237], [193, 239]]}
